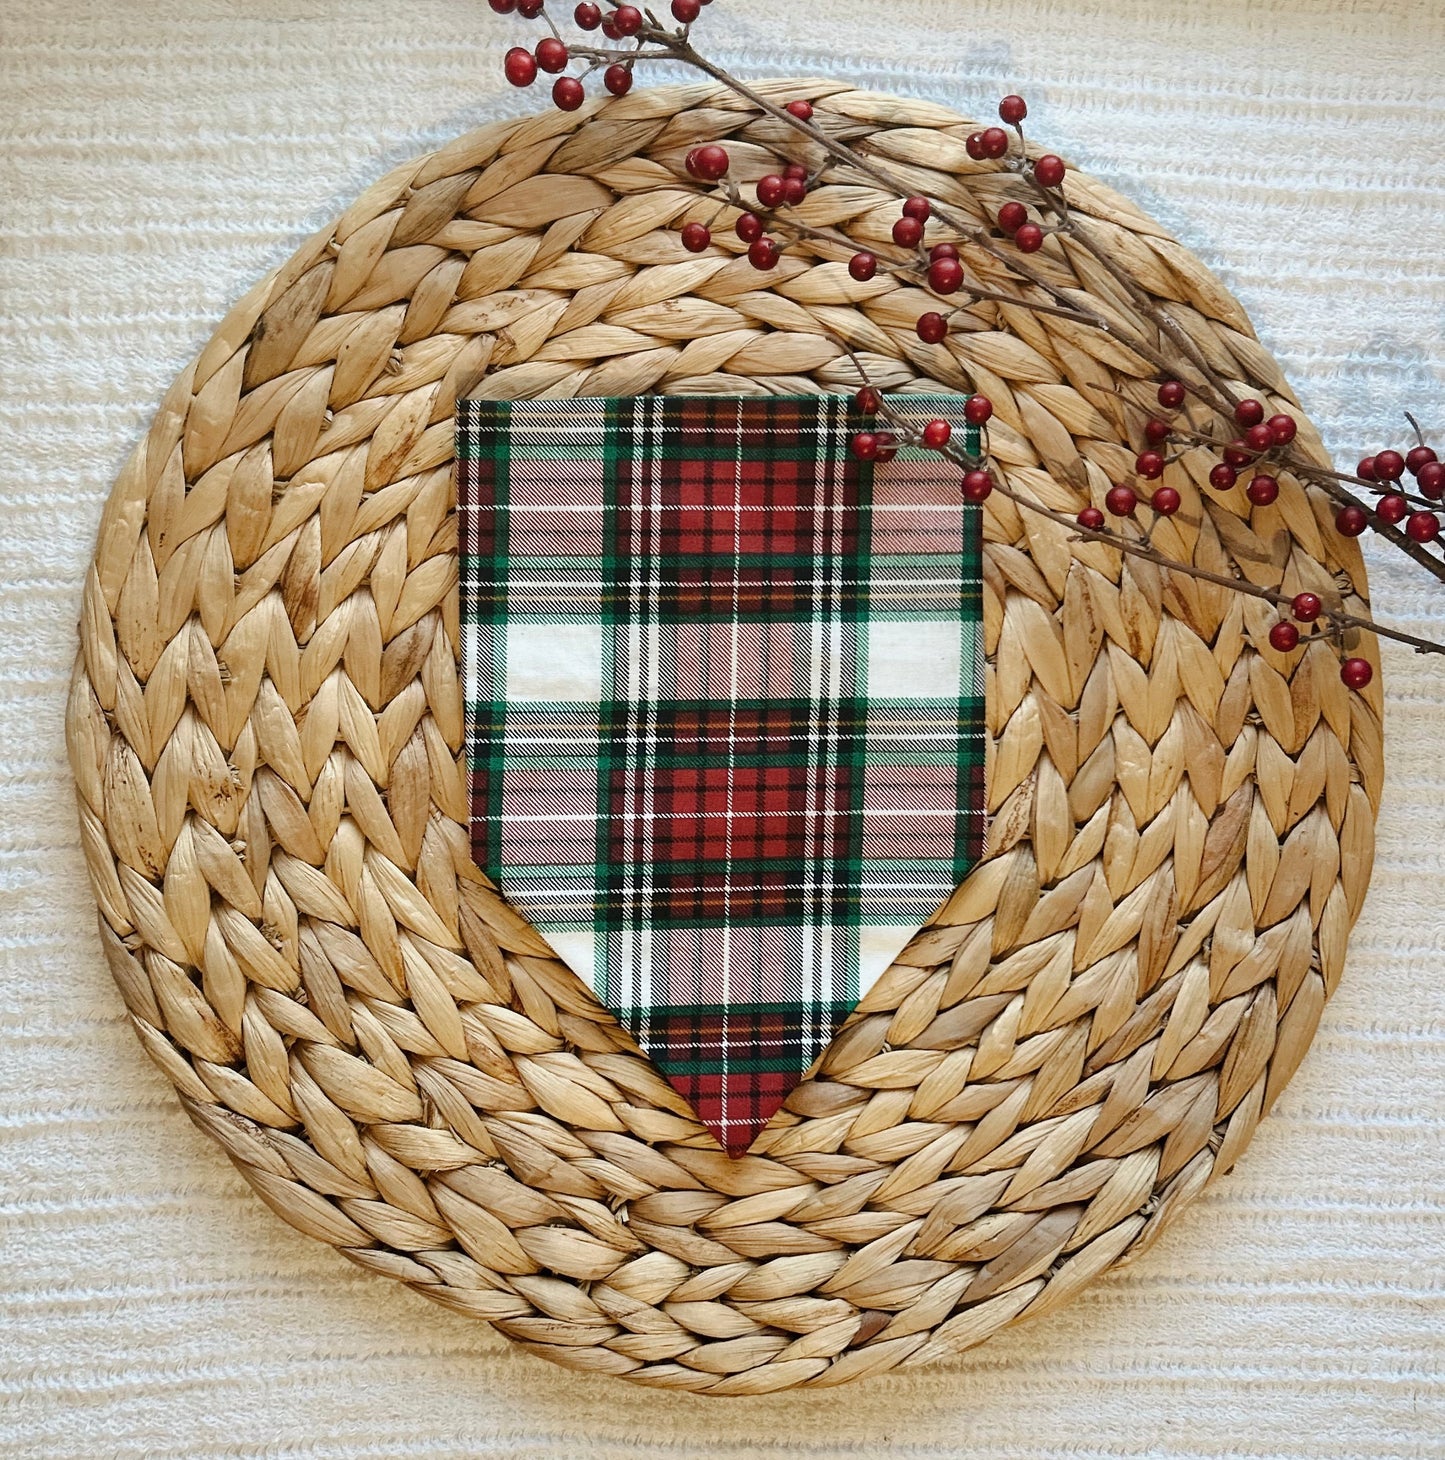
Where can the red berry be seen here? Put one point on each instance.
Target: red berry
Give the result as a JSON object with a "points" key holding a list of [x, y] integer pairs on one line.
{"points": [[797, 170], [587, 16], [627, 19], [1262, 489], [1392, 509], [931, 328], [1049, 170], [1156, 432], [887, 446], [708, 163], [1419, 456], [1171, 395], [1223, 477], [1091, 518], [1350, 521], [686, 10], [1284, 637], [978, 410], [1306, 607], [771, 189], [994, 141], [936, 434], [1389, 466], [1259, 438], [863, 266], [973, 145], [1121, 501], [763, 254], [977, 485], [1013, 109], [1012, 217], [864, 446], [551, 54], [609, 27], [749, 227], [907, 232], [617, 78], [1149, 465], [868, 400], [530, 9], [1237, 454], [520, 66], [1249, 413], [695, 237], [1165, 501], [945, 276], [1366, 469], [918, 208], [1030, 238], [567, 93], [1432, 480], [794, 190], [1423, 527], [1284, 428], [1356, 673], [943, 251], [803, 110], [503, 7]]}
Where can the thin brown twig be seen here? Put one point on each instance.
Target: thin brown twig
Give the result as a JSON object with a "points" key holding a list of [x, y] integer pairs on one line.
{"points": [[1340, 618], [677, 46], [679, 50], [1329, 481], [1069, 224]]}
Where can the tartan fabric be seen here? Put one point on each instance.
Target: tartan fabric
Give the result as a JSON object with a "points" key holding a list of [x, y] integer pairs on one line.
{"points": [[725, 714]]}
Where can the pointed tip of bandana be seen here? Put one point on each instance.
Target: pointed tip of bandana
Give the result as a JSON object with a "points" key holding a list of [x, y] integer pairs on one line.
{"points": [[733, 1108], [735, 1065]]}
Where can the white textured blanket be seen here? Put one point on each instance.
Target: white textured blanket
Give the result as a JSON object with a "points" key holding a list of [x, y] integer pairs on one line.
{"points": [[156, 157]]}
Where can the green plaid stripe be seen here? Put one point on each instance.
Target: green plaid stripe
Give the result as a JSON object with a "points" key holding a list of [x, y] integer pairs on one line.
{"points": [[724, 712]]}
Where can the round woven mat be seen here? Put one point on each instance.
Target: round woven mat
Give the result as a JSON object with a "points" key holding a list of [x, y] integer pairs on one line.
{"points": [[267, 723]]}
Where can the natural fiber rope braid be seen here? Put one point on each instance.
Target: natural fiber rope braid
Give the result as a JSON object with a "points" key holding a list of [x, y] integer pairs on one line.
{"points": [[267, 717]]}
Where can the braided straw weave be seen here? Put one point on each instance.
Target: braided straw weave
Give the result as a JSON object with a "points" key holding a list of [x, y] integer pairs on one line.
{"points": [[267, 720]]}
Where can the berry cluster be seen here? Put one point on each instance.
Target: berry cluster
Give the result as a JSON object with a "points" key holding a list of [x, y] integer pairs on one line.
{"points": [[1384, 472], [938, 265], [882, 446], [618, 22], [1381, 473], [774, 191], [1261, 437], [1284, 637]]}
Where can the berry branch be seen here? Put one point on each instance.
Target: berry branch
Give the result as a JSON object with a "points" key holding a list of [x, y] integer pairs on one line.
{"points": [[1199, 411], [1089, 525]]}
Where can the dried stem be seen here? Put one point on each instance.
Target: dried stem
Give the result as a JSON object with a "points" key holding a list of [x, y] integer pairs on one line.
{"points": [[677, 46], [655, 42], [1339, 618]]}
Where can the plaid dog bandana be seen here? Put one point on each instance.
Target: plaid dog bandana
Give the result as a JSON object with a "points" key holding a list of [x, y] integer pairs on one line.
{"points": [[725, 713]]}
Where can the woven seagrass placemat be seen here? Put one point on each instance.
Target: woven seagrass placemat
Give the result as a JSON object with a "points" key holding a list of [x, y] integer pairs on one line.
{"points": [[267, 718]]}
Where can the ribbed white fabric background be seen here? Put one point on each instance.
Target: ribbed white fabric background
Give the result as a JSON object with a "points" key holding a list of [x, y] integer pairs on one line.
{"points": [[157, 157]]}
